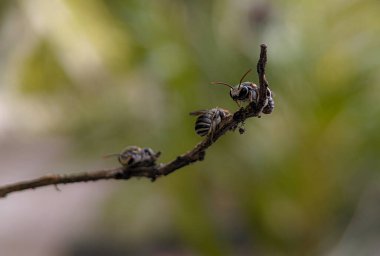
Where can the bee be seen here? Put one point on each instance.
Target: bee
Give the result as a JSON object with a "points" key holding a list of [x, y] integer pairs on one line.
{"points": [[269, 105], [243, 92], [248, 91], [134, 156], [209, 120]]}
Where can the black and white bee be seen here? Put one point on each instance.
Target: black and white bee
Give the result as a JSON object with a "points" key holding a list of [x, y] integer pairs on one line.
{"points": [[249, 92], [208, 120], [134, 156], [243, 92], [269, 105]]}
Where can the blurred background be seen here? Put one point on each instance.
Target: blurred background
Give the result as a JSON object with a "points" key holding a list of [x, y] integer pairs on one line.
{"points": [[82, 79]]}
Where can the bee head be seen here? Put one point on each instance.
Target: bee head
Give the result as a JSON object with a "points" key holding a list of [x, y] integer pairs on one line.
{"points": [[240, 92], [234, 93]]}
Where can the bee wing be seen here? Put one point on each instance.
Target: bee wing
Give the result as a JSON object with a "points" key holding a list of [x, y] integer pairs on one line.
{"points": [[111, 155], [199, 112]]}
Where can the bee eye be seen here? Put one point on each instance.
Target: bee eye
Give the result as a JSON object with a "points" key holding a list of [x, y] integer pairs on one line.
{"points": [[243, 92]]}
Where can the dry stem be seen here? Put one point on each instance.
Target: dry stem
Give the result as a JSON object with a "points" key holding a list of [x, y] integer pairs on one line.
{"points": [[153, 172]]}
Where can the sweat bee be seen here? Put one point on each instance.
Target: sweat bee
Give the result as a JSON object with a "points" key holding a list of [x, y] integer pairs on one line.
{"points": [[244, 91], [208, 120], [269, 106], [248, 91], [134, 156]]}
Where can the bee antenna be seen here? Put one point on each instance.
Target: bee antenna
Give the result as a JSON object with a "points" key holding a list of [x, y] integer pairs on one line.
{"points": [[222, 84], [246, 73]]}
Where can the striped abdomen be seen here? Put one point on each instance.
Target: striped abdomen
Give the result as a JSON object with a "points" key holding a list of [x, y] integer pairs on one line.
{"points": [[208, 120]]}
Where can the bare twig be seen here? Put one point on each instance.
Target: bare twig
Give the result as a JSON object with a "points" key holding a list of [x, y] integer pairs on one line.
{"points": [[263, 83], [155, 171]]}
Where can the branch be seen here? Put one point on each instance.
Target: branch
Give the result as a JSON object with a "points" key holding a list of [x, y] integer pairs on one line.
{"points": [[230, 123], [263, 83]]}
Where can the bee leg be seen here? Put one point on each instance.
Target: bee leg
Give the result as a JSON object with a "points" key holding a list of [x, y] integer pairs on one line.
{"points": [[213, 126], [153, 176], [250, 96], [211, 134]]}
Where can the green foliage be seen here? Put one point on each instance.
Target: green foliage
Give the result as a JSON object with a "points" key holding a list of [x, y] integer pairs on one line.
{"points": [[42, 72]]}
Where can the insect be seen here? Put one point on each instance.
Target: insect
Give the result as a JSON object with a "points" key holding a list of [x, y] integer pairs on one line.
{"points": [[244, 91], [134, 156], [269, 106], [248, 91], [208, 120]]}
